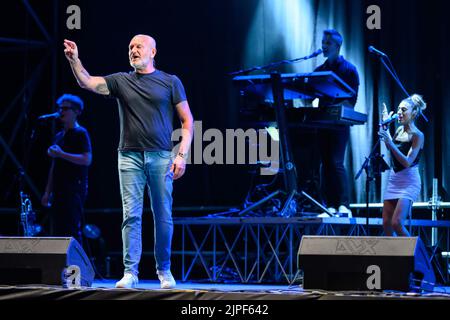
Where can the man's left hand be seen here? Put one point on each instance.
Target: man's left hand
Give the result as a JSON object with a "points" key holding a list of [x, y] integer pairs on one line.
{"points": [[54, 151], [178, 167]]}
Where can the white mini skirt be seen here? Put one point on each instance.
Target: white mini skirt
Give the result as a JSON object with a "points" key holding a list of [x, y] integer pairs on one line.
{"points": [[405, 184]]}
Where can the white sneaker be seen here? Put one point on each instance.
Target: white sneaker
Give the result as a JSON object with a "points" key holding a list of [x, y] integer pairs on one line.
{"points": [[344, 211], [128, 281], [166, 279], [332, 210], [326, 215]]}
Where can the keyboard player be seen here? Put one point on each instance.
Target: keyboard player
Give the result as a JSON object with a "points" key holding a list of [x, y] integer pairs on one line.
{"points": [[333, 142]]}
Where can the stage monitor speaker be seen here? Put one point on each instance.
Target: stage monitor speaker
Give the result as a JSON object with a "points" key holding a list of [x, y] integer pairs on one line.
{"points": [[365, 263], [37, 260]]}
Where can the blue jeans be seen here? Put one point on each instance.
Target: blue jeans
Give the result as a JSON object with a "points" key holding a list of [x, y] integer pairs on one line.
{"points": [[136, 170]]}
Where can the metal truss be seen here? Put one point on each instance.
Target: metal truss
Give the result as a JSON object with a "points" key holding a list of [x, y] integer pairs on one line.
{"points": [[24, 94], [434, 204], [255, 250]]}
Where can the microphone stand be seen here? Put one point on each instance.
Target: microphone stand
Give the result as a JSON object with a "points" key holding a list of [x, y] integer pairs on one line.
{"points": [[274, 64], [394, 75], [27, 215], [375, 164]]}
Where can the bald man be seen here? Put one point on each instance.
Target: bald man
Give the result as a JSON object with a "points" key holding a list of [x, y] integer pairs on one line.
{"points": [[147, 98]]}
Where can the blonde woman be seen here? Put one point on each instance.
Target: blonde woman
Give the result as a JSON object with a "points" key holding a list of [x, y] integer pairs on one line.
{"points": [[406, 148]]}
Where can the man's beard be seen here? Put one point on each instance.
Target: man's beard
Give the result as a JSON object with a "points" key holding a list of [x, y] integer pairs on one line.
{"points": [[139, 65]]}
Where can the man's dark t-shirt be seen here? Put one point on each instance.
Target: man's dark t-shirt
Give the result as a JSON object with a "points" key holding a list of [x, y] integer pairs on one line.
{"points": [[347, 72], [67, 174], [146, 106]]}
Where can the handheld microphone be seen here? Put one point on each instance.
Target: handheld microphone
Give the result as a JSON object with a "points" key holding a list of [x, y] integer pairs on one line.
{"points": [[389, 120], [314, 54], [377, 52], [49, 116]]}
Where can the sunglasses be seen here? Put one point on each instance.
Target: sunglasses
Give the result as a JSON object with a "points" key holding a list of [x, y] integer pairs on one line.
{"points": [[65, 108]]}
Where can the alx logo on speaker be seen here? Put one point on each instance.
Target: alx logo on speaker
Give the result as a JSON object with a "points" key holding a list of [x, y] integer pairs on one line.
{"points": [[26, 246], [357, 246]]}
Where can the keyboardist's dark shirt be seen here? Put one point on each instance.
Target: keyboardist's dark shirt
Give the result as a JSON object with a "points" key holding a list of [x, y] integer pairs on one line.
{"points": [[347, 72]]}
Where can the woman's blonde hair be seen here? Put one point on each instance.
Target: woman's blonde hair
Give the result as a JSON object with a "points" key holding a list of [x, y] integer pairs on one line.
{"points": [[417, 103]]}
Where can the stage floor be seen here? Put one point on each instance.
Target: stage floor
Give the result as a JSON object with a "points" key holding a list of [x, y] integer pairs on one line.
{"points": [[149, 290], [257, 291]]}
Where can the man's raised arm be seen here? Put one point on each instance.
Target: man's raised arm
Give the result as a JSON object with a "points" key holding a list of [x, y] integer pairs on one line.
{"points": [[86, 81]]}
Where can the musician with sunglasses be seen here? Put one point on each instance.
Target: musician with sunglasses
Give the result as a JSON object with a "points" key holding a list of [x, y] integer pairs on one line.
{"points": [[67, 182]]}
